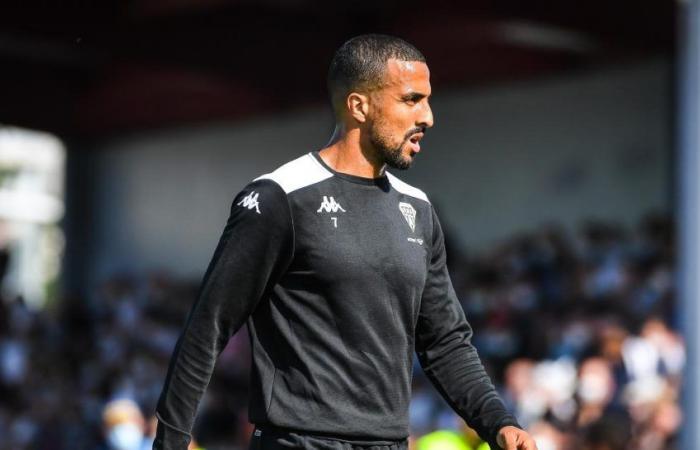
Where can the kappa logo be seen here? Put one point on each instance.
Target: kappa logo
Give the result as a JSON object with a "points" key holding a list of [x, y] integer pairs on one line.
{"points": [[409, 213], [330, 205], [250, 201]]}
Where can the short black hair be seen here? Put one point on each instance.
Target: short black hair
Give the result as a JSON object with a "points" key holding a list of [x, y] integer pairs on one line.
{"points": [[361, 61]]}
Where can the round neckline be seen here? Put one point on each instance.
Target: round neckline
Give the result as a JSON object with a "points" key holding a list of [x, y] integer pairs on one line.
{"points": [[379, 181]]}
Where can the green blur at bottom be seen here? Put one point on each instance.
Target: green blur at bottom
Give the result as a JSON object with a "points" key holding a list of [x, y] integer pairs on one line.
{"points": [[447, 440]]}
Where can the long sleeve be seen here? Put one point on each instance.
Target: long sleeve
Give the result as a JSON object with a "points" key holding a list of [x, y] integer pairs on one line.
{"points": [[443, 345], [255, 247]]}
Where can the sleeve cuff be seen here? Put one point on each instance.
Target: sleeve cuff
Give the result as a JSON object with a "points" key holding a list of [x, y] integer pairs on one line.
{"points": [[505, 422], [169, 437]]}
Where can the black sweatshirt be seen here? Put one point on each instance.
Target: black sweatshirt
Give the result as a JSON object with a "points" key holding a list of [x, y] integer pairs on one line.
{"points": [[339, 278]]}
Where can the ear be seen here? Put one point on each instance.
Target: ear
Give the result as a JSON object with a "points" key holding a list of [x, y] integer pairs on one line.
{"points": [[358, 106]]}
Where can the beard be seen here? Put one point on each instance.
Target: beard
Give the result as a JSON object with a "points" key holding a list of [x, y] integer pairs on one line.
{"points": [[390, 154]]}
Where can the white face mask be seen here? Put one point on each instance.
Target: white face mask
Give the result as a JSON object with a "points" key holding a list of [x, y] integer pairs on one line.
{"points": [[125, 436], [592, 389]]}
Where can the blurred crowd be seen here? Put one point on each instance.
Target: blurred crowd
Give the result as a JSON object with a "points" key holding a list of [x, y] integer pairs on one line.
{"points": [[579, 333], [576, 329]]}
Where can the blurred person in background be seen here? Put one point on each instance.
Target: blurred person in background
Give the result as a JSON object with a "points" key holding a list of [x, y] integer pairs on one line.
{"points": [[661, 431], [124, 425], [549, 437], [595, 391], [125, 428], [338, 296], [520, 394]]}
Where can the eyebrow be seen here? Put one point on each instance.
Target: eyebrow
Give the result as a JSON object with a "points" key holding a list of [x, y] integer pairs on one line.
{"points": [[414, 96]]}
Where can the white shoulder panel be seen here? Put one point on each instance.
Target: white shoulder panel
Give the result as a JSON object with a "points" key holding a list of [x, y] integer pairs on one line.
{"points": [[406, 188], [298, 173]]}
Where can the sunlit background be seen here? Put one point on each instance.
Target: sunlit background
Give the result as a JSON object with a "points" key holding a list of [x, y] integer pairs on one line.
{"points": [[126, 129]]}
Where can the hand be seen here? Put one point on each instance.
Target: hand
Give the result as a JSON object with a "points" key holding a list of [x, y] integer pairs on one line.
{"points": [[512, 438]]}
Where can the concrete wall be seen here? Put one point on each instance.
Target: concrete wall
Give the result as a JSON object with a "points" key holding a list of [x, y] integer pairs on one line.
{"points": [[498, 160]]}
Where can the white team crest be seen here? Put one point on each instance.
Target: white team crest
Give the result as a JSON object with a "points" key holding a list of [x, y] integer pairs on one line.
{"points": [[250, 201], [330, 205], [409, 214]]}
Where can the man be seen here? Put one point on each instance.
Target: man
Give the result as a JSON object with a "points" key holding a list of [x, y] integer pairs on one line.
{"points": [[338, 267]]}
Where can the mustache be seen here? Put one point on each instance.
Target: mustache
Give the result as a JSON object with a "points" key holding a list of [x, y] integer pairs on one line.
{"points": [[413, 131]]}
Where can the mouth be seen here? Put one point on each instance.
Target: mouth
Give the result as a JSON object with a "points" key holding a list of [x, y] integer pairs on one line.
{"points": [[414, 140]]}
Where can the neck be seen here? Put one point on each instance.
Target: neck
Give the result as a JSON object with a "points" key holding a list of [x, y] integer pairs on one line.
{"points": [[345, 153]]}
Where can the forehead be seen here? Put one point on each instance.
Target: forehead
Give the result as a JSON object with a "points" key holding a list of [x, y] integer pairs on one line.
{"points": [[407, 76]]}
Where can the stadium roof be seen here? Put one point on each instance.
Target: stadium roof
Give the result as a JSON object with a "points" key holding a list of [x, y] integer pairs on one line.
{"points": [[101, 68]]}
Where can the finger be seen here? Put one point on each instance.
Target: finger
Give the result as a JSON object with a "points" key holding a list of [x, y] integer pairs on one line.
{"points": [[511, 441]]}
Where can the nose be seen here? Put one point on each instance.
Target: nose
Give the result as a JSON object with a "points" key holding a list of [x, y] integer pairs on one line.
{"points": [[426, 118]]}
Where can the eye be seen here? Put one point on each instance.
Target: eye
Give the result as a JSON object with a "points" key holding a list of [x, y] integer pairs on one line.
{"points": [[413, 99]]}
